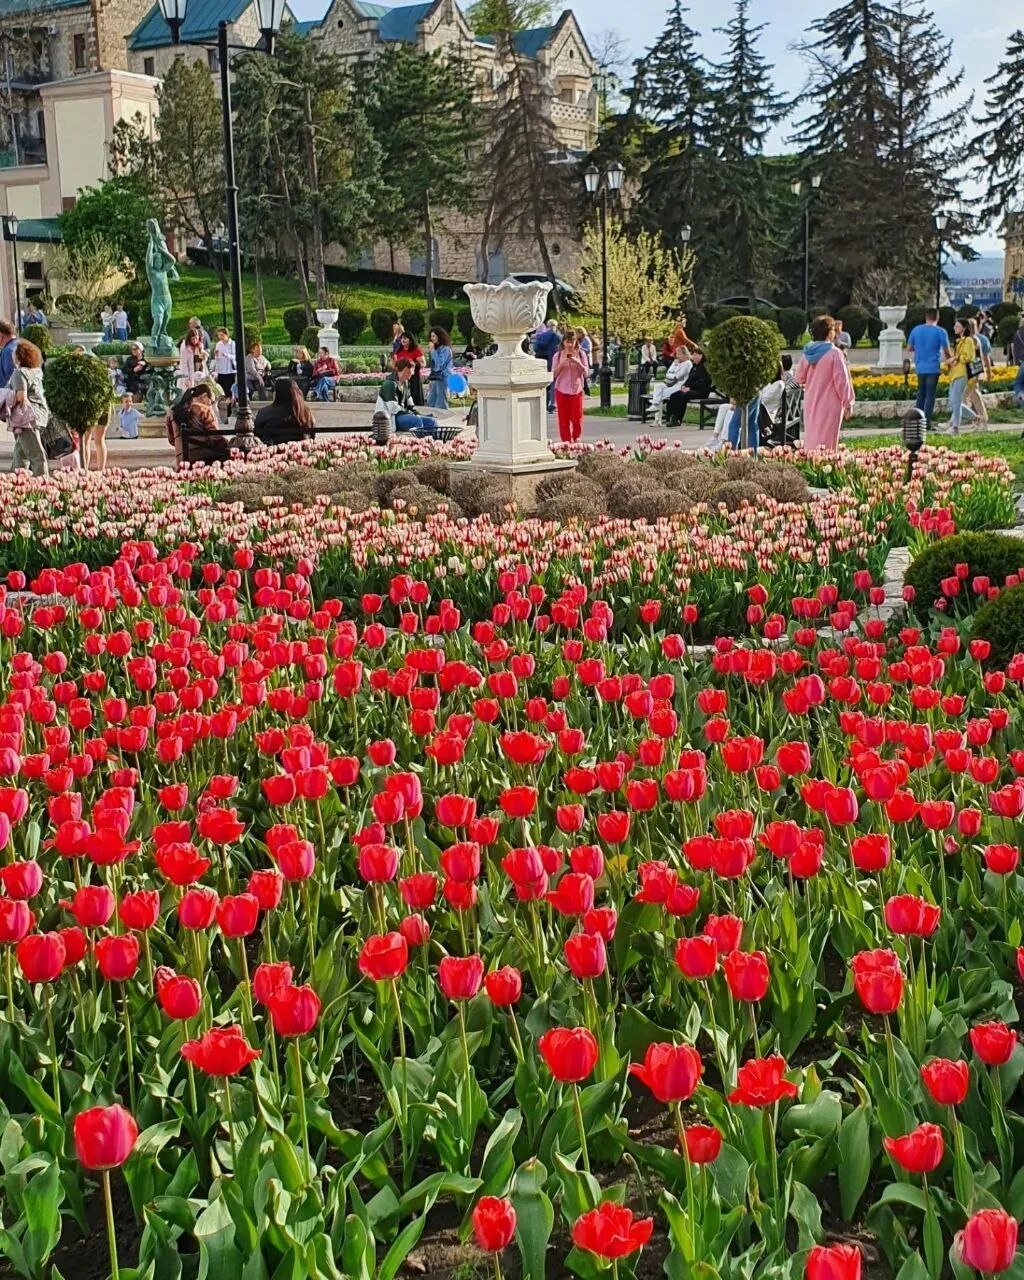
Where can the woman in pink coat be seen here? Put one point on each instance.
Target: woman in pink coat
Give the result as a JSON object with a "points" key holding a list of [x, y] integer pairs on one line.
{"points": [[828, 391]]}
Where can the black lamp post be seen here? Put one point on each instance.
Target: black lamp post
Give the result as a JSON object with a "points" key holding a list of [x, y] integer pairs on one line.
{"points": [[612, 181], [796, 188], [11, 233], [270, 14], [940, 225]]}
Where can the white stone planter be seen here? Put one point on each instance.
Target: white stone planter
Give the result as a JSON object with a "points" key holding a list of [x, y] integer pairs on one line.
{"points": [[328, 335], [508, 310], [891, 339], [88, 340]]}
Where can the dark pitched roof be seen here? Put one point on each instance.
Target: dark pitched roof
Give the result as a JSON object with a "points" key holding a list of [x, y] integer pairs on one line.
{"points": [[37, 8], [37, 231], [201, 18], [529, 43], [401, 23]]}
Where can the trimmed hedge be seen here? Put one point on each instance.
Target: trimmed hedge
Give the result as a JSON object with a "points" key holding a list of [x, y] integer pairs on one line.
{"points": [[465, 322], [295, 320], [792, 323], [414, 320], [988, 555], [721, 314], [441, 318], [350, 324], [855, 322], [39, 335], [311, 339], [1001, 623], [381, 321]]}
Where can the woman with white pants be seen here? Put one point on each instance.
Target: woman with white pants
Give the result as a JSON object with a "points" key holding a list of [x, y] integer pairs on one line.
{"points": [[964, 353]]}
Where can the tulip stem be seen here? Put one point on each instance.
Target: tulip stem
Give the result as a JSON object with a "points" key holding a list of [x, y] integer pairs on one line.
{"points": [[115, 1270], [9, 971], [517, 1037], [129, 1047], [309, 926], [497, 1267], [405, 1061], [579, 1121], [753, 1029], [467, 1110], [300, 1090], [247, 1013], [231, 1124], [54, 1062], [681, 1132]]}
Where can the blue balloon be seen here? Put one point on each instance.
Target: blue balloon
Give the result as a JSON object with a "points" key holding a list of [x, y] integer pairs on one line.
{"points": [[457, 384]]}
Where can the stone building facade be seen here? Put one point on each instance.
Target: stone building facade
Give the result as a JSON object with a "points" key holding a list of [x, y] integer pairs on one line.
{"points": [[1013, 263]]}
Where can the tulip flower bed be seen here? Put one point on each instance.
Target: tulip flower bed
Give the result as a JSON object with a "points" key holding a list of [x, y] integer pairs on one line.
{"points": [[695, 564], [351, 940]]}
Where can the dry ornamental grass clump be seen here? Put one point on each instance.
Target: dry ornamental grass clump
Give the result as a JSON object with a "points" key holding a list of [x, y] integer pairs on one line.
{"points": [[572, 498], [734, 493]]}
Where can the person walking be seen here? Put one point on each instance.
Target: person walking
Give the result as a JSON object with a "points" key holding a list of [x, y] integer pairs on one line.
{"points": [[842, 339], [225, 368], [107, 322], [570, 369], [546, 342], [1016, 355], [828, 391], [929, 345], [965, 357], [974, 398], [120, 322], [287, 418], [442, 362], [27, 410], [8, 345]]}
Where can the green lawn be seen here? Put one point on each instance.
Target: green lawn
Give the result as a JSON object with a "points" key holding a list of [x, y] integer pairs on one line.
{"points": [[198, 294]]}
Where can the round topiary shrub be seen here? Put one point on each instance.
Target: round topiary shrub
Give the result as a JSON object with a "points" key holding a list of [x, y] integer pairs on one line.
{"points": [[295, 320], [350, 324], [1003, 309], [78, 390], [413, 320], [381, 321], [464, 320], [720, 314], [441, 318], [1001, 623], [914, 317], [434, 473], [987, 555], [1006, 328], [39, 336], [855, 322], [742, 356], [696, 322], [793, 324]]}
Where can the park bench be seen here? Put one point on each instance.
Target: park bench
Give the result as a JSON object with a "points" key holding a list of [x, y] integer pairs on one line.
{"points": [[707, 408], [448, 432]]}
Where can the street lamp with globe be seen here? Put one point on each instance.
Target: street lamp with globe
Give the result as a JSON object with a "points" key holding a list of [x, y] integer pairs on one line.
{"points": [[609, 181]]}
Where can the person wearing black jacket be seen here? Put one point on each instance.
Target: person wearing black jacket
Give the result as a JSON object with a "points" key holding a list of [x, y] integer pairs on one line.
{"points": [[696, 387], [300, 368], [287, 418]]}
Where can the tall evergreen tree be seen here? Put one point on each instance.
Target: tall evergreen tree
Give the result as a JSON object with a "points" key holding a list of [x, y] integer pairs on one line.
{"points": [[426, 137], [662, 131], [1000, 143], [739, 231], [888, 160]]}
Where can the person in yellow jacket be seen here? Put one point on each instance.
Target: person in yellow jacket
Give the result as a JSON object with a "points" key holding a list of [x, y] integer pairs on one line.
{"points": [[965, 351]]}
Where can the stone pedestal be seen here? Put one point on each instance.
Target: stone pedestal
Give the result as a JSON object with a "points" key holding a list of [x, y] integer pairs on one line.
{"points": [[328, 335], [891, 340]]}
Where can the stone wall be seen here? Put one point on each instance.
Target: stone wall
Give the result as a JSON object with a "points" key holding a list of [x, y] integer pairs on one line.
{"points": [[115, 20]]}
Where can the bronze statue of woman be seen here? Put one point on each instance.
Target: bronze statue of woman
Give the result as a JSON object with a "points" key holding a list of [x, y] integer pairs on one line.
{"points": [[160, 267]]}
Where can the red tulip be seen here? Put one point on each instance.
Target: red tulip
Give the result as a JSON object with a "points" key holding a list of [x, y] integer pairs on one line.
{"points": [[104, 1136], [1001, 859], [384, 956], [833, 1262], [461, 861], [222, 1051], [140, 910], [611, 1231], [41, 956], [573, 894], [747, 974], [840, 806], [494, 1223], [947, 1081], [727, 932], [198, 908], [267, 887], [871, 852], [21, 880], [92, 906], [415, 929], [672, 1072], [180, 997], [518, 802], [378, 863], [703, 1142], [419, 891], [220, 826], [761, 1082], [181, 863], [294, 1010], [117, 956], [76, 945], [988, 1242], [919, 1151], [878, 980], [270, 978], [585, 955], [570, 1052], [460, 977], [910, 916], [697, 957], [296, 859], [613, 826], [504, 986], [993, 1042], [16, 919]]}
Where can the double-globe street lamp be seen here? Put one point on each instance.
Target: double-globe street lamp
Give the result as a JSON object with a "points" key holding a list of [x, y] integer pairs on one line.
{"points": [[796, 188], [941, 219], [270, 14], [610, 180]]}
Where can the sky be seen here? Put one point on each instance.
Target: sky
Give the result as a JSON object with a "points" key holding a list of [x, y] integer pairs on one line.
{"points": [[979, 31]]}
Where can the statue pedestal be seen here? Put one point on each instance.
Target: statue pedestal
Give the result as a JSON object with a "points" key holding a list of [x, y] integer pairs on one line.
{"points": [[891, 340], [512, 411], [328, 335]]}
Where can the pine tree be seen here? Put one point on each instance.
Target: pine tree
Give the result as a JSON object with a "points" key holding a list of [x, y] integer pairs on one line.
{"points": [[662, 131], [739, 232], [1000, 144], [888, 160], [426, 137]]}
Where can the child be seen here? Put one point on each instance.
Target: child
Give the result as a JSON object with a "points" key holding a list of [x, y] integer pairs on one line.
{"points": [[128, 419], [116, 374]]}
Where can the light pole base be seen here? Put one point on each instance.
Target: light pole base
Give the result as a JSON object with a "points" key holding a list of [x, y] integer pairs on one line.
{"points": [[244, 441], [604, 380]]}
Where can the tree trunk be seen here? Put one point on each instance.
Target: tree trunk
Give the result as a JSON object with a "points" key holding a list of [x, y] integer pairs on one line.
{"points": [[300, 265], [391, 253], [261, 301], [319, 262], [428, 231], [484, 269]]}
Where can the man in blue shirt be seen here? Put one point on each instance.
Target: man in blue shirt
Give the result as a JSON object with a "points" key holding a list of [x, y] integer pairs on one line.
{"points": [[930, 346], [546, 342], [8, 341]]}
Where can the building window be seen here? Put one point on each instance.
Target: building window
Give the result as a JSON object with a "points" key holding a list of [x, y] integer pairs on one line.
{"points": [[149, 66], [341, 23], [213, 59], [33, 272], [79, 53]]}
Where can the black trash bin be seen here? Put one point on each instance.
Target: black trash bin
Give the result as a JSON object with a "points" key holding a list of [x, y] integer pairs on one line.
{"points": [[637, 385], [620, 364]]}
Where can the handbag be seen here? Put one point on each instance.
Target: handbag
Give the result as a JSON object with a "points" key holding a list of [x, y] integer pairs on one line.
{"points": [[975, 367], [56, 440]]}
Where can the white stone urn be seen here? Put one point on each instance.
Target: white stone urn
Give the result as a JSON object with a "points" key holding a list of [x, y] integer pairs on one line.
{"points": [[328, 334], [508, 310], [327, 316], [87, 339], [891, 339]]}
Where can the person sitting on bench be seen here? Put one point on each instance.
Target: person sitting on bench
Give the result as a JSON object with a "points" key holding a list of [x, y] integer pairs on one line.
{"points": [[675, 378], [696, 387], [395, 399]]}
